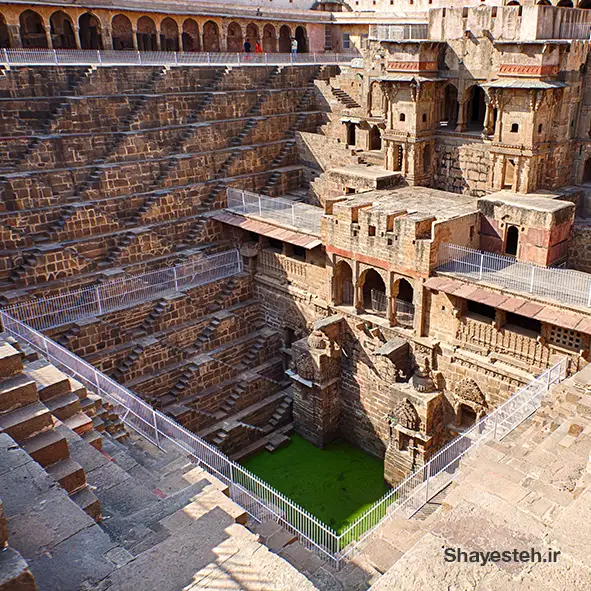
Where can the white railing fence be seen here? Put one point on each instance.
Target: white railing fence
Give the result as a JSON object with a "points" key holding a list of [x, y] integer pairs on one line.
{"points": [[285, 211], [118, 294], [262, 501], [562, 285], [92, 57], [399, 32]]}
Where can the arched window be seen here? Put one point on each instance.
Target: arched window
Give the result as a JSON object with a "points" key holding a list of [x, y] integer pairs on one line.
{"points": [[234, 40], [404, 303], [32, 30], [90, 32], [476, 109], [512, 241], [565, 3], [146, 34], [269, 39], [375, 138], [584, 4], [121, 32], [284, 39], [351, 135], [402, 117], [300, 35], [62, 33], [374, 292], [169, 35], [190, 35], [4, 34], [211, 37]]}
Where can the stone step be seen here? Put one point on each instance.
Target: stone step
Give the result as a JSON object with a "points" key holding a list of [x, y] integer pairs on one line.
{"points": [[69, 474], [64, 406], [10, 361], [46, 448], [51, 382], [93, 438], [26, 421], [14, 572], [88, 502], [79, 422], [17, 391]]}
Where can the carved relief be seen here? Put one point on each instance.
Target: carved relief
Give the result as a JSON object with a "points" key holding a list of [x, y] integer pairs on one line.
{"points": [[405, 415]]}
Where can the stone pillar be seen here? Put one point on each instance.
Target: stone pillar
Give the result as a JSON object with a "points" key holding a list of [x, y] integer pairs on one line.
{"points": [[77, 36], [358, 290], [48, 36], [107, 38], [393, 292], [488, 116], [134, 38], [15, 36], [180, 39], [461, 126]]}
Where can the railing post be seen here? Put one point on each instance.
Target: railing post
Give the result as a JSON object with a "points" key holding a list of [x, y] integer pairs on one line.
{"points": [[427, 485], [266, 58], [589, 296], [55, 57], [481, 265], [5, 53], [99, 57], [139, 57], [176, 280], [243, 201], [208, 58], [98, 300], [260, 207], [156, 438], [531, 283], [176, 58], [293, 220], [495, 429]]}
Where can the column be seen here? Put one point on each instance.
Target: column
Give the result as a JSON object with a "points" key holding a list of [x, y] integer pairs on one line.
{"points": [[391, 313], [488, 116], [77, 36], [48, 36], [357, 291], [461, 126], [134, 37], [180, 39], [15, 37], [107, 38]]}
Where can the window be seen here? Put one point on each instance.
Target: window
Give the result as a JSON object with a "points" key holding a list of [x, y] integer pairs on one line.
{"points": [[371, 231], [523, 322], [564, 337], [327, 38], [402, 117], [481, 310], [540, 128], [424, 117], [364, 41], [514, 128], [471, 232], [275, 245], [298, 252], [346, 41]]}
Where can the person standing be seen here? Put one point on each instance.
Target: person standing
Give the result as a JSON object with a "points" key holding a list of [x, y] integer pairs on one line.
{"points": [[294, 46], [247, 46], [258, 48]]}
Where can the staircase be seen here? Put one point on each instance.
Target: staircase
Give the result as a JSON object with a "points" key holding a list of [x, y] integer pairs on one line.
{"points": [[123, 243], [183, 381], [345, 99], [161, 306], [127, 363], [25, 266]]}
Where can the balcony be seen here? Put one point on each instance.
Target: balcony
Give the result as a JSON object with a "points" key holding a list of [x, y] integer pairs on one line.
{"points": [[399, 32]]}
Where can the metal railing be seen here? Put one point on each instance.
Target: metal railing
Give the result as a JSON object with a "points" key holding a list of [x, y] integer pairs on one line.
{"points": [[297, 215], [259, 499], [379, 301], [119, 294], [562, 285], [106, 57], [399, 32]]}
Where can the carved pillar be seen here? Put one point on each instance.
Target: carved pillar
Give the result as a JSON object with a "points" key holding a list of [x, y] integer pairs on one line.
{"points": [[393, 289], [358, 291], [135, 40], [180, 39], [461, 126], [48, 36], [488, 116], [107, 38], [77, 36]]}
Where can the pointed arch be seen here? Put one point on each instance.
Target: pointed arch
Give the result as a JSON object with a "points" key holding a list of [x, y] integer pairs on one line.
{"points": [[211, 37], [234, 40], [121, 32], [191, 35], [169, 35], [146, 34], [32, 30], [284, 39], [90, 32], [269, 39]]}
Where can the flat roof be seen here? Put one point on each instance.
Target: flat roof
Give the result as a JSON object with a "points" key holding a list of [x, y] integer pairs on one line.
{"points": [[416, 200], [546, 202]]}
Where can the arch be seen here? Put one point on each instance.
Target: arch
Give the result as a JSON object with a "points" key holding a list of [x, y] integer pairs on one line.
{"points": [[374, 292], [405, 310], [375, 138], [90, 32], [512, 241], [476, 108], [301, 38], [269, 39], [211, 37], [252, 34], [62, 32], [32, 30], [565, 3], [584, 4], [513, 3], [169, 35], [146, 34], [121, 32], [351, 134], [343, 284], [544, 3], [451, 107], [234, 38], [284, 39], [190, 35], [4, 33]]}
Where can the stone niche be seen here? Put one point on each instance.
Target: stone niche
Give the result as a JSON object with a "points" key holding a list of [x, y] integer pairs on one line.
{"points": [[316, 382], [416, 423]]}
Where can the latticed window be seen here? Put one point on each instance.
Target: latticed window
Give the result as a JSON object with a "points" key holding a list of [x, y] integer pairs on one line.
{"points": [[565, 337]]}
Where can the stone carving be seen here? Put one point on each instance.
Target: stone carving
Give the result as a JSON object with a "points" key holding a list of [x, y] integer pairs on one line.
{"points": [[467, 390], [422, 380], [405, 415], [305, 366], [318, 340]]}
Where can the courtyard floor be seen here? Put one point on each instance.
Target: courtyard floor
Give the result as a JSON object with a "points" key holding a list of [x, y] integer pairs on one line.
{"points": [[336, 484]]}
